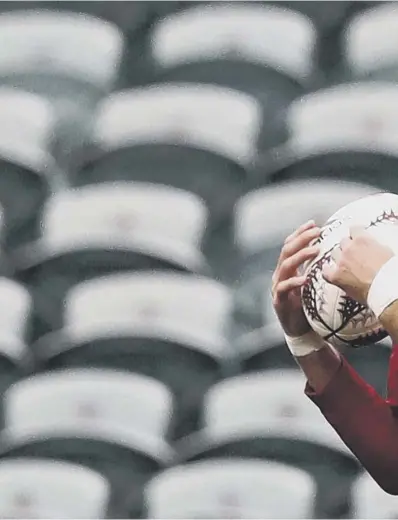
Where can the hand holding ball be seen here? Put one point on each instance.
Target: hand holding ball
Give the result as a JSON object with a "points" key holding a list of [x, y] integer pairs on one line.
{"points": [[355, 243]]}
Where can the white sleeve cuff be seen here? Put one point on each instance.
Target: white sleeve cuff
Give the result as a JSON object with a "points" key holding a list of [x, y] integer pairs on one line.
{"points": [[384, 289]]}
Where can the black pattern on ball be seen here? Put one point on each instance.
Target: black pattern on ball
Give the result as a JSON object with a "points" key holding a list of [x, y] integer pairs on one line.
{"points": [[386, 216], [349, 308], [364, 339], [310, 290]]}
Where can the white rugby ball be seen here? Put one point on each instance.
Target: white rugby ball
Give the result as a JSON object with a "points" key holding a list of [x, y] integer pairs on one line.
{"points": [[330, 312]]}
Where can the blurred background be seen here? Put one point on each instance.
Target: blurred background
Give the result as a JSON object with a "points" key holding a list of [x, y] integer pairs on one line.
{"points": [[153, 157]]}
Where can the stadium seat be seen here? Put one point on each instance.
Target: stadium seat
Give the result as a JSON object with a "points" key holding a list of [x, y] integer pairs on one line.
{"points": [[200, 138], [132, 18], [330, 19], [109, 421], [136, 19], [234, 488], [250, 294], [71, 58], [263, 50], [15, 357], [370, 501], [264, 348], [370, 52], [266, 415], [28, 172], [283, 207], [346, 132], [112, 12], [168, 326], [98, 229], [221, 252], [33, 488]]}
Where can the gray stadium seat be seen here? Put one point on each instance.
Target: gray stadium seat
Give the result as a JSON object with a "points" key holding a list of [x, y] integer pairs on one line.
{"points": [[70, 58], [28, 173], [370, 501], [370, 50], [34, 488], [346, 132], [108, 227], [136, 19], [127, 17], [200, 138], [263, 219], [236, 488], [250, 295], [263, 50], [266, 415], [15, 356], [330, 19], [264, 348], [167, 326], [108, 421]]}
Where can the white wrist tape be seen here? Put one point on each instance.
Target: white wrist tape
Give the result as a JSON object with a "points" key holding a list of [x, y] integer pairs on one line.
{"points": [[304, 345], [384, 289]]}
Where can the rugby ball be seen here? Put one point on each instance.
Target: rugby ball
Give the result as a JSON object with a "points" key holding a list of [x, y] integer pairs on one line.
{"points": [[330, 312]]}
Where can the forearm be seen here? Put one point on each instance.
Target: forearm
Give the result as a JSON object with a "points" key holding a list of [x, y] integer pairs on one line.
{"points": [[363, 420], [320, 367]]}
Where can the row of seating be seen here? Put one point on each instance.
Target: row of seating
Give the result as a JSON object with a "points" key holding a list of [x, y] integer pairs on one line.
{"points": [[140, 24], [254, 447], [128, 226], [41, 57], [344, 133], [231, 488]]}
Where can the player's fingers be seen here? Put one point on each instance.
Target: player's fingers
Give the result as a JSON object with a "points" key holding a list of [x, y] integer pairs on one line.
{"points": [[296, 245], [307, 225], [289, 266], [302, 239], [284, 287], [299, 243]]}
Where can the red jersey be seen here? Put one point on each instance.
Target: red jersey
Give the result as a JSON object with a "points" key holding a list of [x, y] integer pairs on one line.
{"points": [[367, 423]]}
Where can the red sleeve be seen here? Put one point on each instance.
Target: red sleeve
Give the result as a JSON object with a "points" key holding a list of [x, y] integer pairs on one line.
{"points": [[365, 421]]}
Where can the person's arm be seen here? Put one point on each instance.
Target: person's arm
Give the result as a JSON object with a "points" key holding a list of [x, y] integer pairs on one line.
{"points": [[366, 271], [364, 421], [320, 367]]}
